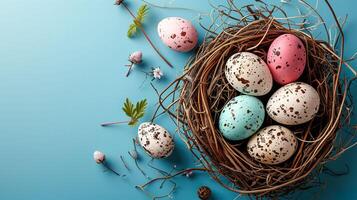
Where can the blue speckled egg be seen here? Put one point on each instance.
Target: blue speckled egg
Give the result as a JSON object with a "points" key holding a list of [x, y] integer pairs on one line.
{"points": [[241, 117]]}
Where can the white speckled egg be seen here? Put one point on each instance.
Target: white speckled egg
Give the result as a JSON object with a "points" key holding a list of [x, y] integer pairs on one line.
{"points": [[155, 140], [177, 33], [272, 145], [293, 104], [241, 117], [248, 74]]}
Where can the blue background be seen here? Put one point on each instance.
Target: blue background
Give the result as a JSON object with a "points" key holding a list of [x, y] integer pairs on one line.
{"points": [[62, 74]]}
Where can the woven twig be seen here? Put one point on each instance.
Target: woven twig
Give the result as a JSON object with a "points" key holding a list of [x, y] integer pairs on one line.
{"points": [[197, 97]]}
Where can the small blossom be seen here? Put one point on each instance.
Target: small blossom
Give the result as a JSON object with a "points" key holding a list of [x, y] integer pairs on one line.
{"points": [[118, 2], [136, 57], [188, 174], [99, 157], [157, 73]]}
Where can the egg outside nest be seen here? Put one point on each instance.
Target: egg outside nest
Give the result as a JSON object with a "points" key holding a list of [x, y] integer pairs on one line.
{"points": [[155, 140]]}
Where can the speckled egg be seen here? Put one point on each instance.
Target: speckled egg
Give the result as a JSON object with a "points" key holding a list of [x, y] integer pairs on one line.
{"points": [[241, 117], [286, 58], [293, 104], [155, 140], [272, 145], [177, 33], [248, 74]]}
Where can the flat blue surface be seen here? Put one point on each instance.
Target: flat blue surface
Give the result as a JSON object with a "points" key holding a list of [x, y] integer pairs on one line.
{"points": [[62, 74]]}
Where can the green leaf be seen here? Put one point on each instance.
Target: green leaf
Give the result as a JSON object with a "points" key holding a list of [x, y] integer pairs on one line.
{"points": [[128, 107], [140, 109], [142, 12], [135, 113], [137, 22], [132, 30]]}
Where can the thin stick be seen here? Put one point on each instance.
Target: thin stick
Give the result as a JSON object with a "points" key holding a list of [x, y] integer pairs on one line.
{"points": [[113, 123], [136, 161], [110, 169], [124, 163], [171, 176]]}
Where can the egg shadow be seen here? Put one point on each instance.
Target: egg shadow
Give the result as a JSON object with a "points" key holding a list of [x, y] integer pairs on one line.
{"points": [[177, 156]]}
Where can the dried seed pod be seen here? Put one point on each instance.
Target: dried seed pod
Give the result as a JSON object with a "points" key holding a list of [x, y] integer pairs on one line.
{"points": [[204, 192]]}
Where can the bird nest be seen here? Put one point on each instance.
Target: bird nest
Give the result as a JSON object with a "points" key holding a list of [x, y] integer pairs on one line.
{"points": [[197, 97]]}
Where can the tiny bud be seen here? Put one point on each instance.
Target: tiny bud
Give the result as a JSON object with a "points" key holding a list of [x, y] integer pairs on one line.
{"points": [[99, 157], [118, 2], [189, 174], [134, 154], [136, 57]]}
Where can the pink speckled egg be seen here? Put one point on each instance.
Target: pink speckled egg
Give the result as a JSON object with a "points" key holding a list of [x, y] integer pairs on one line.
{"points": [[177, 33], [286, 58]]}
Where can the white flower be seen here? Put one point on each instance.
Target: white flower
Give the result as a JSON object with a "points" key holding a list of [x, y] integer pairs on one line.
{"points": [[157, 73], [189, 174], [136, 57], [99, 157]]}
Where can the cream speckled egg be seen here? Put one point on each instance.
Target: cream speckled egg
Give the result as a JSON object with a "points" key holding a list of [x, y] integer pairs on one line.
{"points": [[155, 140], [248, 74], [177, 33], [272, 145], [293, 104]]}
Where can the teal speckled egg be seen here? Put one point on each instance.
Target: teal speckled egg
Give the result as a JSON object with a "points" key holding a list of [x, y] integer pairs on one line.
{"points": [[241, 117]]}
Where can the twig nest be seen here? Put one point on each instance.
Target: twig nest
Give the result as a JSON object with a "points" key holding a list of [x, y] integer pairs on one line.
{"points": [[155, 140], [204, 192], [215, 123]]}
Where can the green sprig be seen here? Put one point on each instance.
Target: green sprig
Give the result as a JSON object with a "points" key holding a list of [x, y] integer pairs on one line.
{"points": [[138, 21], [134, 112]]}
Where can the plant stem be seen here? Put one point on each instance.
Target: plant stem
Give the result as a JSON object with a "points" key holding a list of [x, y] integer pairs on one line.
{"points": [[124, 163], [136, 160], [147, 37], [113, 123], [129, 70], [112, 170]]}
